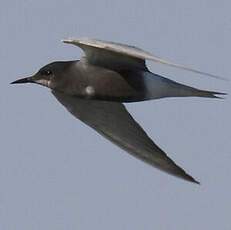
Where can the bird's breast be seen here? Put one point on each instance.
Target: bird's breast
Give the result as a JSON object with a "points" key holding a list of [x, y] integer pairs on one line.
{"points": [[94, 82]]}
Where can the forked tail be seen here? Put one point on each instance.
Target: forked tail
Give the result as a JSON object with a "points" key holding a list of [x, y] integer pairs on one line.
{"points": [[209, 94]]}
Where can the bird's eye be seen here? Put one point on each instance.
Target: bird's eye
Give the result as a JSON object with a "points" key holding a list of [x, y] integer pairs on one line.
{"points": [[47, 72]]}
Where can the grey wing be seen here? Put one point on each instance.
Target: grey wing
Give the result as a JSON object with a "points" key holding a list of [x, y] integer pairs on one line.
{"points": [[112, 120], [115, 55]]}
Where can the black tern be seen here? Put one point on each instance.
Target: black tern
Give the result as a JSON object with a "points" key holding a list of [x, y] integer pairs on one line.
{"points": [[95, 87]]}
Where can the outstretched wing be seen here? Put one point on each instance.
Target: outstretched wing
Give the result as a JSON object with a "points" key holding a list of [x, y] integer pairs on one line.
{"points": [[116, 55], [112, 120]]}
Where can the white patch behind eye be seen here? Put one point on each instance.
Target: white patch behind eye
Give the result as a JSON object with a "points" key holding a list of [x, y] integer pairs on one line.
{"points": [[90, 90]]}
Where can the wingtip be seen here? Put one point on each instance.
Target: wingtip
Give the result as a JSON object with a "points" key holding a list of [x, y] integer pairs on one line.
{"points": [[187, 68], [195, 181], [67, 40], [72, 40], [190, 178]]}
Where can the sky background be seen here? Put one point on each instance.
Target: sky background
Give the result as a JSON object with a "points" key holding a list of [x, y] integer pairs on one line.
{"points": [[57, 173]]}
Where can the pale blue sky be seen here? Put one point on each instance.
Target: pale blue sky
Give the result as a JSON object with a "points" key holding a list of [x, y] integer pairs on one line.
{"points": [[57, 173]]}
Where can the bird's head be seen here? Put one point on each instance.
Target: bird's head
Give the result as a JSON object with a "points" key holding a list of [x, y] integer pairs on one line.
{"points": [[51, 75]]}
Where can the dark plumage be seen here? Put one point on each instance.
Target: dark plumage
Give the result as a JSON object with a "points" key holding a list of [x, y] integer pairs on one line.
{"points": [[94, 88]]}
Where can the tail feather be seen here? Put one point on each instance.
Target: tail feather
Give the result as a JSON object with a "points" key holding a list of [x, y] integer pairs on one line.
{"points": [[209, 94]]}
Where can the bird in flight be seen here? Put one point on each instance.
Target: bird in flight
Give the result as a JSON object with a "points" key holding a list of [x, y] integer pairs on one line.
{"points": [[95, 87]]}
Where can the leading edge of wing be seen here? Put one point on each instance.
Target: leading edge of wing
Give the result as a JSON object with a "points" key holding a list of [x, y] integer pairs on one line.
{"points": [[132, 51]]}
